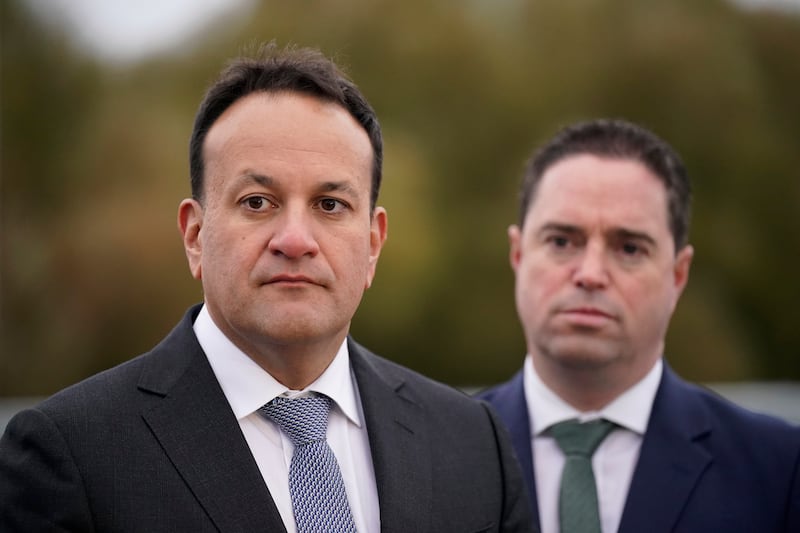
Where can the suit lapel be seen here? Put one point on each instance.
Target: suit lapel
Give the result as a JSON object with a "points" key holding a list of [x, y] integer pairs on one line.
{"points": [[509, 403], [399, 447], [671, 461], [198, 431]]}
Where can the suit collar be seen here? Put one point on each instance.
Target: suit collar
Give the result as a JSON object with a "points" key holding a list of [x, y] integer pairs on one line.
{"points": [[672, 458], [396, 442], [198, 431], [630, 410], [511, 406], [247, 386], [671, 461]]}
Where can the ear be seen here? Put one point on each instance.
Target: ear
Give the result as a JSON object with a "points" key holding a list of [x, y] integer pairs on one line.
{"points": [[680, 270], [514, 246], [190, 222], [377, 236]]}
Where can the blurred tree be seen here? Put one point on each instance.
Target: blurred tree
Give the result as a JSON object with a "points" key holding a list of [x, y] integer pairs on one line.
{"points": [[46, 96], [94, 165]]}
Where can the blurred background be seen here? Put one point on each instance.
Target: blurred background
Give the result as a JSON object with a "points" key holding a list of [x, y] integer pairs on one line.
{"points": [[98, 99]]}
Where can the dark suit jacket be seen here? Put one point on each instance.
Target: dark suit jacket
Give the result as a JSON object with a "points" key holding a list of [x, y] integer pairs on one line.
{"points": [[705, 465], [152, 445]]}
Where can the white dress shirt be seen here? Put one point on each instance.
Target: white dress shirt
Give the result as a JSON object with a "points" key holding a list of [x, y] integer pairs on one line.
{"points": [[247, 387], [613, 461]]}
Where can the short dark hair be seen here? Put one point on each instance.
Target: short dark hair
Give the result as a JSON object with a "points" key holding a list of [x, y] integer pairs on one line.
{"points": [[616, 139], [301, 70]]}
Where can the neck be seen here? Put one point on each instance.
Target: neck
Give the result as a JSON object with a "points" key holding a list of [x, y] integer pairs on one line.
{"points": [[295, 365], [587, 387]]}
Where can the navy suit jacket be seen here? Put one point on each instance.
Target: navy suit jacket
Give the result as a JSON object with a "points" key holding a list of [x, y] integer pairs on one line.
{"points": [[706, 465], [152, 445]]}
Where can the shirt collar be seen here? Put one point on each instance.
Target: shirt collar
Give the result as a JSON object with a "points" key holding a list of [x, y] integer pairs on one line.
{"points": [[630, 410], [247, 386]]}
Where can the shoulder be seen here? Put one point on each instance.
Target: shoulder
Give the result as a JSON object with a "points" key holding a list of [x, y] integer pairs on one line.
{"points": [[84, 414], [736, 418], [416, 388], [453, 440], [94, 392], [685, 395], [725, 423], [504, 393], [119, 390]]}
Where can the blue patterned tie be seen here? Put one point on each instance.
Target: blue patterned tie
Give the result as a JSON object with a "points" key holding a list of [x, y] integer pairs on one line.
{"points": [[319, 500]]}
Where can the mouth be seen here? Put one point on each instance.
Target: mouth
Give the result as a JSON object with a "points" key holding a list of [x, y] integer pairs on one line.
{"points": [[587, 317], [588, 311], [291, 280]]}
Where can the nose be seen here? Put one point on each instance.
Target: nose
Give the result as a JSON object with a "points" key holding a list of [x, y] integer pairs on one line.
{"points": [[591, 271], [293, 236]]}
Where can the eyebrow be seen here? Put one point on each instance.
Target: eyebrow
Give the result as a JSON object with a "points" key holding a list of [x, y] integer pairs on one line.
{"points": [[261, 179], [562, 228], [617, 233], [338, 186], [326, 186], [627, 234]]}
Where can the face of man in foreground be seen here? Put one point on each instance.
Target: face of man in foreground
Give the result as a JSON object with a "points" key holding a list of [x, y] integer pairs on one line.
{"points": [[284, 240]]}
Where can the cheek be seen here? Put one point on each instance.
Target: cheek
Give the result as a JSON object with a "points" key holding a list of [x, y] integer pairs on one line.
{"points": [[346, 249], [531, 290], [538, 281], [229, 252], [647, 299], [359, 267]]}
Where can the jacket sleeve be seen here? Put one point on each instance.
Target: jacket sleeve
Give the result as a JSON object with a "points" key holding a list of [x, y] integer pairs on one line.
{"points": [[40, 485]]}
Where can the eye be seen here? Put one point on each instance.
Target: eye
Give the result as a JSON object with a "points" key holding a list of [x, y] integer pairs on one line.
{"points": [[633, 250], [257, 203], [630, 248], [562, 245], [558, 241], [331, 205]]}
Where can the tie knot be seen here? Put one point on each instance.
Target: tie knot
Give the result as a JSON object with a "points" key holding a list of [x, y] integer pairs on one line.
{"points": [[303, 420], [575, 438]]}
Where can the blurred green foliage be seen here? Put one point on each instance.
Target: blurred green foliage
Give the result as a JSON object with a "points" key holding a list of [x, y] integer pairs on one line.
{"points": [[94, 164]]}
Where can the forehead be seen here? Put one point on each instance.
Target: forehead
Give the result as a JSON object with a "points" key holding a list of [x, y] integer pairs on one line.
{"points": [[590, 189], [288, 126]]}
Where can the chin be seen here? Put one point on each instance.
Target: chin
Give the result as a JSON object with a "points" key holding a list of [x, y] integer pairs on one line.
{"points": [[299, 330], [586, 354], [291, 332]]}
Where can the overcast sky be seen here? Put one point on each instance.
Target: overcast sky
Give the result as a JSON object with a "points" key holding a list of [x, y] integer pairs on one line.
{"points": [[126, 30]]}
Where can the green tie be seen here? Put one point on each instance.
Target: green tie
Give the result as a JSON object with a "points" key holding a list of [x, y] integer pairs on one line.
{"points": [[577, 503]]}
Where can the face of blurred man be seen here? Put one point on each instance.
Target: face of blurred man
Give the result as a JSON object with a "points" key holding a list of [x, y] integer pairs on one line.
{"points": [[284, 241], [597, 276]]}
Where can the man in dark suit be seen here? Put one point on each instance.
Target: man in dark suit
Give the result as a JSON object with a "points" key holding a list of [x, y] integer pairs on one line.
{"points": [[609, 438], [258, 412]]}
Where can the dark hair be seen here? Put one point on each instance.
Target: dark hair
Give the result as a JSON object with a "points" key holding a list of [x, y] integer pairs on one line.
{"points": [[616, 139], [300, 70]]}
